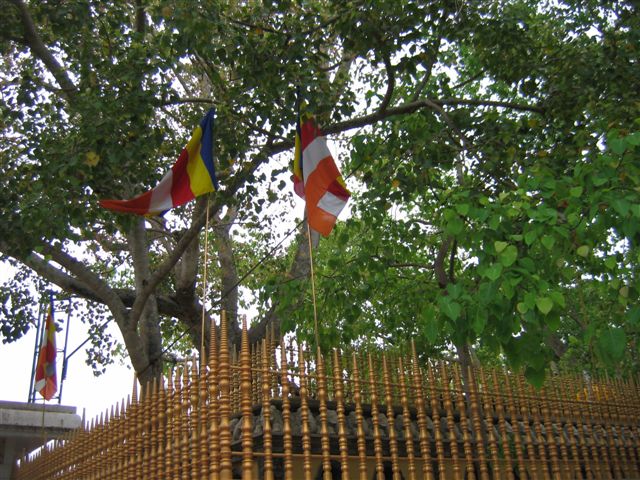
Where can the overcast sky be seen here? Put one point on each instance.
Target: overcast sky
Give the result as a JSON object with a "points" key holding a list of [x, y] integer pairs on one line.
{"points": [[81, 389]]}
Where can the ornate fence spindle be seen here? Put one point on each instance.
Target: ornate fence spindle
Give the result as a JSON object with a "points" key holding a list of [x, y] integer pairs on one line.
{"points": [[357, 400], [464, 423], [435, 415], [489, 409], [339, 398], [304, 415], [203, 431], [451, 424], [476, 416], [286, 414], [266, 412], [515, 427], [324, 430], [225, 402], [375, 417], [388, 394], [406, 421], [502, 425], [162, 430], [245, 404], [169, 447], [213, 414], [420, 402], [193, 435]]}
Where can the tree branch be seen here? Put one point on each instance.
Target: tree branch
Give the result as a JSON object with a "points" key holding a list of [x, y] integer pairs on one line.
{"points": [[391, 82], [38, 48]]}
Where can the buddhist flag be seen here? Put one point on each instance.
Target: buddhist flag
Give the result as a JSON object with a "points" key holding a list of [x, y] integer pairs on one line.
{"points": [[316, 178], [192, 175], [46, 381]]}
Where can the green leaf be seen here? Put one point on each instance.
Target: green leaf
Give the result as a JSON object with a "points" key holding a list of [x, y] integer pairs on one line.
{"points": [[618, 145], [544, 304], [499, 246], [522, 308], [462, 209], [535, 376], [633, 139], [576, 192], [479, 320], [530, 237], [599, 181], [610, 262], [454, 226], [429, 323], [583, 251], [509, 256], [558, 298], [611, 344], [450, 308], [548, 242], [493, 272]]}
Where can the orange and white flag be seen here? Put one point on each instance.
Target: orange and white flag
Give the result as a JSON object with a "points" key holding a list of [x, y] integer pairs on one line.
{"points": [[316, 178]]}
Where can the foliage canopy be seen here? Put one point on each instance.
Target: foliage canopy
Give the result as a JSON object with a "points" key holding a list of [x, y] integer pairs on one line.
{"points": [[493, 153]]}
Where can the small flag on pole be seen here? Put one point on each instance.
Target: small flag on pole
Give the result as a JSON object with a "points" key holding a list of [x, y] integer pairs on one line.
{"points": [[46, 381], [316, 178], [192, 175]]}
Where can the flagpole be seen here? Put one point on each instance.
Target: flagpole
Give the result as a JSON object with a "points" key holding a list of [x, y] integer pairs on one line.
{"points": [[313, 288], [204, 282]]}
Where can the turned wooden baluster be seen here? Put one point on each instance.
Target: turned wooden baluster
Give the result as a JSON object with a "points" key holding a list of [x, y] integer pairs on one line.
{"points": [[339, 397], [464, 423], [193, 438], [245, 404], [162, 430], [286, 414], [502, 424], [388, 398], [515, 427], [489, 406], [623, 421], [304, 415], [451, 424], [324, 431], [406, 420], [266, 411], [423, 432], [375, 417], [477, 424], [601, 403], [435, 416], [225, 402], [213, 413], [357, 400], [153, 430]]}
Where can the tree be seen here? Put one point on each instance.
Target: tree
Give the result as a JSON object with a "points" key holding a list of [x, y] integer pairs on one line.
{"points": [[487, 186]]}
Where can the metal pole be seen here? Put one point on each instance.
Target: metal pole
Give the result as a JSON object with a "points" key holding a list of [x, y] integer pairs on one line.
{"points": [[64, 351], [36, 351]]}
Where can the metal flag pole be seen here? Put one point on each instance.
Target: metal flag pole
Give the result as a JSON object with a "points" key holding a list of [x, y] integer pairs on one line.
{"points": [[63, 375], [36, 352]]}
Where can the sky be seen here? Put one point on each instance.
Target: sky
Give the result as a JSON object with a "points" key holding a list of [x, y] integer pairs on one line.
{"points": [[81, 389]]}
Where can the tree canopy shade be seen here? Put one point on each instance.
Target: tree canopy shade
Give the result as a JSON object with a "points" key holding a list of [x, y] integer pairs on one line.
{"points": [[493, 155]]}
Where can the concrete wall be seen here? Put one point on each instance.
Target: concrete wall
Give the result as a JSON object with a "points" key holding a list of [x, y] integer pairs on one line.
{"points": [[26, 426]]}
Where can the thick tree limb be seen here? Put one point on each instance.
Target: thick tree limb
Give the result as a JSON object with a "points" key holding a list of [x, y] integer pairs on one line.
{"points": [[37, 46], [391, 83]]}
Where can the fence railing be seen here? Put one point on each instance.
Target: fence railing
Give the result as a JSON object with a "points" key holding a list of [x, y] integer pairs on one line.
{"points": [[273, 411]]}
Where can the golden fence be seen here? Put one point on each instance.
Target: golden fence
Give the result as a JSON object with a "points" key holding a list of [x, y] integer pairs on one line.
{"points": [[273, 411]]}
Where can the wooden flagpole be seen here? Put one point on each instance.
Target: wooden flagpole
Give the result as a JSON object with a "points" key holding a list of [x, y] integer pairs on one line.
{"points": [[313, 288], [204, 282]]}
